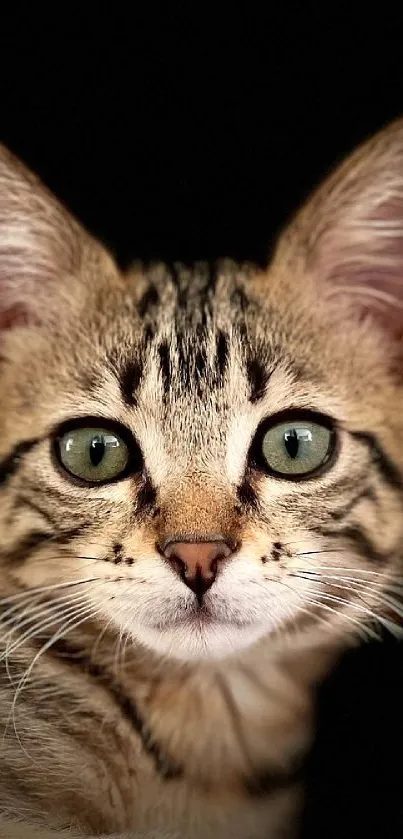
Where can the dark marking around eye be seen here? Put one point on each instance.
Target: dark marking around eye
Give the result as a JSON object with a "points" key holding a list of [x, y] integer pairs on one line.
{"points": [[148, 301], [129, 380], [146, 498], [387, 468], [247, 495], [165, 366], [258, 378], [11, 462]]}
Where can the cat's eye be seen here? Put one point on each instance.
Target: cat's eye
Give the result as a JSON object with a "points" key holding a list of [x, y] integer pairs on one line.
{"points": [[296, 448], [94, 455]]}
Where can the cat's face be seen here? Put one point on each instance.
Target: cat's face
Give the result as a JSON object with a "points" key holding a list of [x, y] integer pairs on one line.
{"points": [[217, 455]]}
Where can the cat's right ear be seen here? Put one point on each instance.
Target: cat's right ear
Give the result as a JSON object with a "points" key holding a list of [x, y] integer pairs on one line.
{"points": [[41, 248], [348, 237]]}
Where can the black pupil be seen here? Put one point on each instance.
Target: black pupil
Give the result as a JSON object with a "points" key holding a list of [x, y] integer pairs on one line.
{"points": [[97, 450], [291, 443]]}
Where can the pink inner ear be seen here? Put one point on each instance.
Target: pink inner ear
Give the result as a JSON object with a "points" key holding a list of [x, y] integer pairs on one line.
{"points": [[362, 259]]}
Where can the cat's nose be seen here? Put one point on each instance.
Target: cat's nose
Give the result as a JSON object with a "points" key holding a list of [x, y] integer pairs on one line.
{"points": [[197, 562]]}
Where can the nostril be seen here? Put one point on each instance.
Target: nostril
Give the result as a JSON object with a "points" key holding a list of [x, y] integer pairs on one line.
{"points": [[197, 561]]}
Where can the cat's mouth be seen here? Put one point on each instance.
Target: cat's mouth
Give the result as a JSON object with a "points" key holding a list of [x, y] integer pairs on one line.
{"points": [[205, 615], [202, 631]]}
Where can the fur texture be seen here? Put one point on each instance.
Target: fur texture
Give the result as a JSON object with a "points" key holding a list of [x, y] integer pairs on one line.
{"points": [[128, 706]]}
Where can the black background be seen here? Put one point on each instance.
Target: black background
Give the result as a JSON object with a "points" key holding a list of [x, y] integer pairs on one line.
{"points": [[176, 132]]}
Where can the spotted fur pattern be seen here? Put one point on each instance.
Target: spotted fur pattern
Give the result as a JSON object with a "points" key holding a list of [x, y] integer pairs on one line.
{"points": [[127, 707]]}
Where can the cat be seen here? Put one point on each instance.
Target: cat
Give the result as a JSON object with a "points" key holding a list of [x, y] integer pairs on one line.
{"points": [[200, 508]]}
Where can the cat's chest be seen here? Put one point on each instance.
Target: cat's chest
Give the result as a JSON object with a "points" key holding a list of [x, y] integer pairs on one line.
{"points": [[186, 813], [195, 817], [151, 802]]}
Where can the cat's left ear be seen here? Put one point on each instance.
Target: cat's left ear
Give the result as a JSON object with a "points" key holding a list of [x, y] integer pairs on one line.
{"points": [[43, 250], [349, 235]]}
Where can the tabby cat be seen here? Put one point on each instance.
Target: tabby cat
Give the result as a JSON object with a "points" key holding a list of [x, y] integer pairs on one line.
{"points": [[200, 508]]}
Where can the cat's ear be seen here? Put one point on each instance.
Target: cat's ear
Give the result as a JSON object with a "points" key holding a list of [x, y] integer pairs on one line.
{"points": [[40, 244], [349, 235]]}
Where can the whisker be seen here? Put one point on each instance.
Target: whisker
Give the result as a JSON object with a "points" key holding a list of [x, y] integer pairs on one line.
{"points": [[363, 630], [319, 551], [31, 607], [359, 588], [349, 603], [39, 589], [26, 636], [76, 618], [342, 568], [32, 612]]}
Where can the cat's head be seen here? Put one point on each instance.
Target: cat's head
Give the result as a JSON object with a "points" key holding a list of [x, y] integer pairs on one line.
{"points": [[198, 459]]}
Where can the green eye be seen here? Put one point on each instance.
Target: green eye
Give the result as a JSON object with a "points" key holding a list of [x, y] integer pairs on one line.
{"points": [[95, 455], [296, 448]]}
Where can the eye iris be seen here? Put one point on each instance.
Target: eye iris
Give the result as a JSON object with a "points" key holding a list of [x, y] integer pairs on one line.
{"points": [[97, 450], [291, 443], [95, 454], [296, 448]]}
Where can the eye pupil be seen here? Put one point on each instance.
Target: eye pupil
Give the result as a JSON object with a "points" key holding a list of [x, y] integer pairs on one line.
{"points": [[291, 443], [97, 450]]}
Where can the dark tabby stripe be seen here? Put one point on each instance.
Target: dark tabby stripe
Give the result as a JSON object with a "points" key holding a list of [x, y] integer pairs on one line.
{"points": [[23, 501], [362, 541], [165, 366], [129, 380], [368, 493], [239, 299], [165, 766], [183, 360], [222, 354], [176, 274], [148, 302], [28, 545], [387, 468], [33, 540], [11, 462]]}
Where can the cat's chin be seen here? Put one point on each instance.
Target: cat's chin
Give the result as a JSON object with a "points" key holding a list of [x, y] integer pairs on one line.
{"points": [[199, 640]]}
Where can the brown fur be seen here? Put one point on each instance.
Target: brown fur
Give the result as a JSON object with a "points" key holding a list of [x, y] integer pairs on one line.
{"points": [[119, 716]]}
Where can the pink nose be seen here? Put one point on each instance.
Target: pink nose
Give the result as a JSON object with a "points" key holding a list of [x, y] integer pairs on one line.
{"points": [[197, 562]]}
